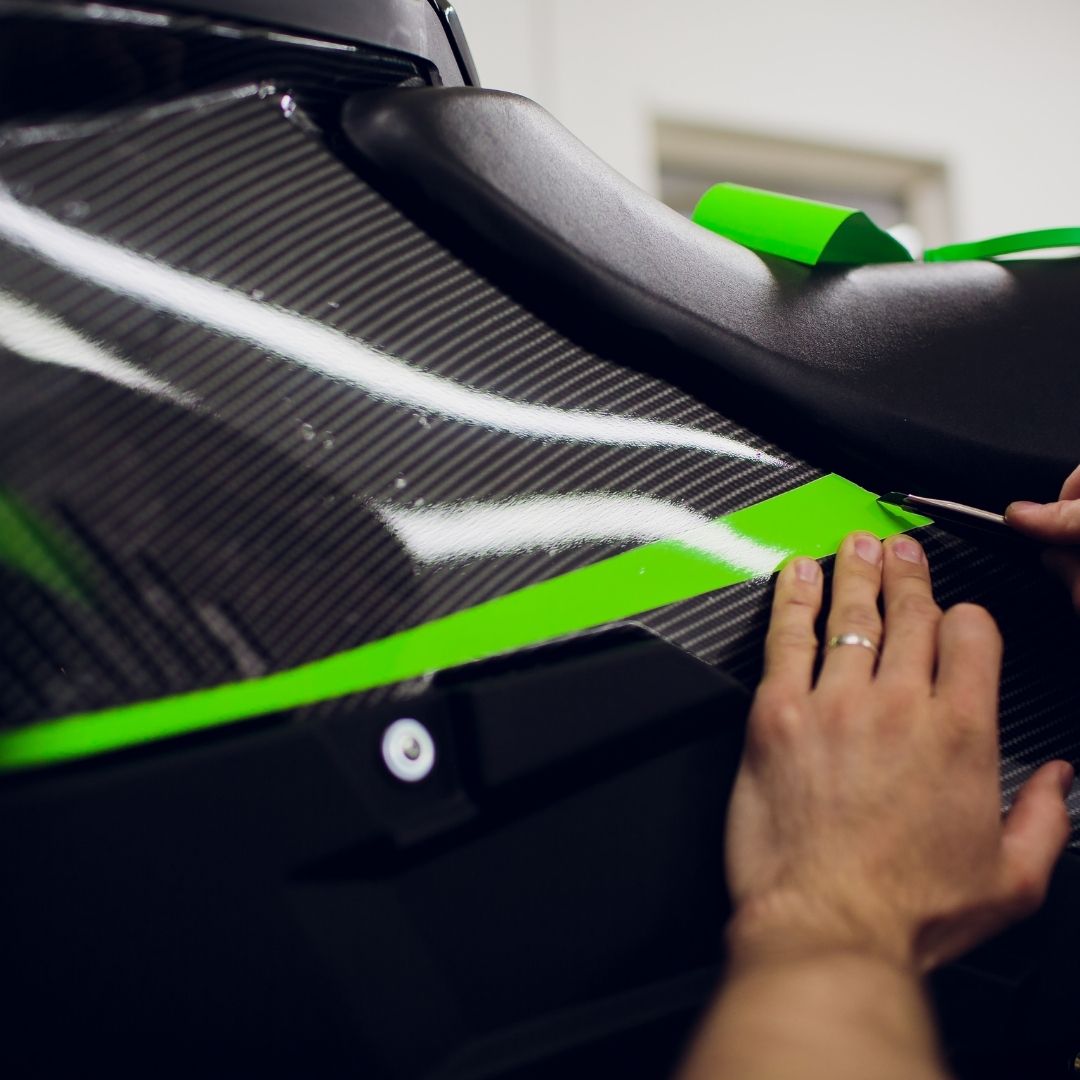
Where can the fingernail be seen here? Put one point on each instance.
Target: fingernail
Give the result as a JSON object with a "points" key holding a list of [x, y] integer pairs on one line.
{"points": [[807, 570], [868, 548], [908, 550], [1066, 775], [1020, 507]]}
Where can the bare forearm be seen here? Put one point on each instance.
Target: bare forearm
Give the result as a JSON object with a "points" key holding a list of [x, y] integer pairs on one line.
{"points": [[832, 1016]]}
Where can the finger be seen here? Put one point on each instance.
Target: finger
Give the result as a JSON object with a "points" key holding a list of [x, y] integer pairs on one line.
{"points": [[911, 616], [1071, 488], [854, 610], [1036, 830], [1054, 523], [969, 667], [791, 644], [1066, 566]]}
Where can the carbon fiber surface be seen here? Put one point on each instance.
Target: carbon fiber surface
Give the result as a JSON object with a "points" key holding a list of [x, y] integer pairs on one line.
{"points": [[238, 508]]}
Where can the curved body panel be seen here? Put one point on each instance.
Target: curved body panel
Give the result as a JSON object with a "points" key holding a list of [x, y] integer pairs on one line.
{"points": [[260, 423]]}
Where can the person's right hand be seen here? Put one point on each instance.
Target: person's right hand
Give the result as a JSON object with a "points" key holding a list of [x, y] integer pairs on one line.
{"points": [[1057, 524]]}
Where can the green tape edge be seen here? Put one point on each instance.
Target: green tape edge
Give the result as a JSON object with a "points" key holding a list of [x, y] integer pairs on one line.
{"points": [[1012, 244], [810, 520], [804, 230]]}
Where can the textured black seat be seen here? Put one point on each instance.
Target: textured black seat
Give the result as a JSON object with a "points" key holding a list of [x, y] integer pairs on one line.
{"points": [[959, 380]]}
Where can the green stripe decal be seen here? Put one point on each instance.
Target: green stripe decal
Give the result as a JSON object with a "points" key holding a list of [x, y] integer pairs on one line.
{"points": [[1013, 244], [810, 520]]}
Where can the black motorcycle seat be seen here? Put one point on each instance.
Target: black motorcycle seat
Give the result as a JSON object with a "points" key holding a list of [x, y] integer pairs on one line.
{"points": [[957, 380]]}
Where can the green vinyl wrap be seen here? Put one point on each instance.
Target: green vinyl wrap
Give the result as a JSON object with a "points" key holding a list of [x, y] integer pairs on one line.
{"points": [[804, 230], [1013, 244], [809, 520]]}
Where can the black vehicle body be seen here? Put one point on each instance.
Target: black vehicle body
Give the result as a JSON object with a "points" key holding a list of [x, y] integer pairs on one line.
{"points": [[279, 285]]}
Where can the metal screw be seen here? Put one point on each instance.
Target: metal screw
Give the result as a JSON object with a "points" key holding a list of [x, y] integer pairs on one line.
{"points": [[408, 750]]}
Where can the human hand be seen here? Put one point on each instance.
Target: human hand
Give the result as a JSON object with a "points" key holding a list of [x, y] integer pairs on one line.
{"points": [[1055, 523], [866, 815]]}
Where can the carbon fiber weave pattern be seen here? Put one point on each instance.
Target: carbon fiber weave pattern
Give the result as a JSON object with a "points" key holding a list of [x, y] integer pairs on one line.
{"points": [[237, 530]]}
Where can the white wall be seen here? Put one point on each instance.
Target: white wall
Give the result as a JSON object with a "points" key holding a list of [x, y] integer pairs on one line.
{"points": [[991, 87]]}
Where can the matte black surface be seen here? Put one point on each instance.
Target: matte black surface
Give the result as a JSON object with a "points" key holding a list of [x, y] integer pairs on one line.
{"points": [[277, 904], [955, 380]]}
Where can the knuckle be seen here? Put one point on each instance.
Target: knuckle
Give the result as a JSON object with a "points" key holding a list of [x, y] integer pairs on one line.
{"points": [[967, 711], [903, 697], [792, 637], [776, 717], [769, 698], [858, 573], [841, 713], [1028, 891], [916, 607], [856, 617], [971, 731]]}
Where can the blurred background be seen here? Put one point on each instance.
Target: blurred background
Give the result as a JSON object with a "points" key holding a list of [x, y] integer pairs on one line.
{"points": [[952, 119]]}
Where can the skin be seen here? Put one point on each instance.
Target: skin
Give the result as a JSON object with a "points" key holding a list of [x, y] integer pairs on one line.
{"points": [[865, 842], [1056, 523]]}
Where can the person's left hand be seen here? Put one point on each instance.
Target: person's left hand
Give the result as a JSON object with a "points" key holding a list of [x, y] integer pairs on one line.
{"points": [[866, 813]]}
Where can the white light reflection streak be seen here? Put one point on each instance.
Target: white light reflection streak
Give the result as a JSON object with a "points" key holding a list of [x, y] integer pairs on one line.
{"points": [[456, 532], [327, 351], [38, 335]]}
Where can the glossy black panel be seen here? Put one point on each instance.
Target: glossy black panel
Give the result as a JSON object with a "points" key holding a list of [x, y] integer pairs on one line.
{"points": [[417, 29], [243, 479], [240, 525], [85, 58]]}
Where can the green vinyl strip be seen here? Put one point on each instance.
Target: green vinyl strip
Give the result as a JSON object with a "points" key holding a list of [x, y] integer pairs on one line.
{"points": [[29, 545], [1013, 244], [810, 520], [804, 230]]}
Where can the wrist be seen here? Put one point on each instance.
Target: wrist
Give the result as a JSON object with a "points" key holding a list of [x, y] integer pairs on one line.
{"points": [[781, 930], [799, 1001]]}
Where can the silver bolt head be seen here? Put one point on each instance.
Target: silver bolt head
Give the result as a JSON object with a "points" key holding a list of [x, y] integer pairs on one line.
{"points": [[408, 750]]}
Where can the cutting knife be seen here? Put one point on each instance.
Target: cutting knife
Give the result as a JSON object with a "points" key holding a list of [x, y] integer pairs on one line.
{"points": [[944, 509]]}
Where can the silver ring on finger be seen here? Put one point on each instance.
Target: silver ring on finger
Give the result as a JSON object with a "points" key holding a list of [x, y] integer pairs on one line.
{"points": [[852, 639]]}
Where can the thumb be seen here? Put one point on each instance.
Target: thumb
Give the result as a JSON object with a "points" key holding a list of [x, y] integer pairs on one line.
{"points": [[1035, 833], [1071, 488], [1056, 522]]}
